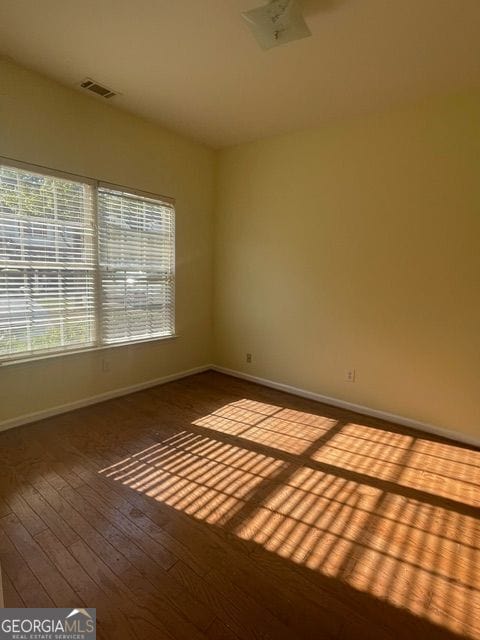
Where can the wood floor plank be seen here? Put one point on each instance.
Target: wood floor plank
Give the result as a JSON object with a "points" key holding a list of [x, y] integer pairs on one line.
{"points": [[9, 486], [155, 614], [54, 521], [136, 559], [11, 597], [156, 571], [14, 566], [211, 507], [151, 548], [235, 609], [140, 619], [25, 582], [4, 508], [219, 631], [99, 513], [111, 620], [147, 516], [56, 587], [116, 560]]}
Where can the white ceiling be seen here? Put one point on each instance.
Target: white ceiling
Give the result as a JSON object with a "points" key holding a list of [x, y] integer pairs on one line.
{"points": [[194, 67]]}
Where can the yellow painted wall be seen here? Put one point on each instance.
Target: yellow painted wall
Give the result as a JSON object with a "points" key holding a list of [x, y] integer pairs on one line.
{"points": [[358, 245], [42, 122]]}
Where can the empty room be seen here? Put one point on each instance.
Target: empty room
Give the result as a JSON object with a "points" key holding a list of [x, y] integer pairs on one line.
{"points": [[239, 319]]}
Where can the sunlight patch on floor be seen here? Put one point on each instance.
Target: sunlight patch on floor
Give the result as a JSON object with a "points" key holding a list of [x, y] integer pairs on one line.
{"points": [[392, 515]]}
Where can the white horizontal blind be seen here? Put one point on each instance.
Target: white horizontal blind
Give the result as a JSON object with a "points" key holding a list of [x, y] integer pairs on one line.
{"points": [[47, 263], [137, 266]]}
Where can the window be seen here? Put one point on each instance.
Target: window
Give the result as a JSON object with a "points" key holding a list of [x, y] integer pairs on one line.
{"points": [[82, 264], [136, 257]]}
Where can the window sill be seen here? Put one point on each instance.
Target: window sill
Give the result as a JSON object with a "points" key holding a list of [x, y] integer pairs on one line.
{"points": [[61, 354]]}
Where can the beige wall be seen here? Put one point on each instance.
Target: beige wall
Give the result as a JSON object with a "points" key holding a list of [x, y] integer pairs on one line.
{"points": [[45, 123], [358, 245]]}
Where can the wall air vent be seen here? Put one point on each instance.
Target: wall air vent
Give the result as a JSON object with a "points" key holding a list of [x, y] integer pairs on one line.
{"points": [[95, 87]]}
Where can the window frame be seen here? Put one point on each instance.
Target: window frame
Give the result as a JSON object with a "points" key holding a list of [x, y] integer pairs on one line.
{"points": [[98, 345]]}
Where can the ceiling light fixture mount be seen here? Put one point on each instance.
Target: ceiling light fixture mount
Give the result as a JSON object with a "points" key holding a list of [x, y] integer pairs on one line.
{"points": [[276, 23]]}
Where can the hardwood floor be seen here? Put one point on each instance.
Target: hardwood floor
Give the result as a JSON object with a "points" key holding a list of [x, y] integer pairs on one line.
{"points": [[214, 508]]}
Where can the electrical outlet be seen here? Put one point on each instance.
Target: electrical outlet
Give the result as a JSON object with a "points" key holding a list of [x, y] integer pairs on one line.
{"points": [[349, 375], [249, 357], [105, 365]]}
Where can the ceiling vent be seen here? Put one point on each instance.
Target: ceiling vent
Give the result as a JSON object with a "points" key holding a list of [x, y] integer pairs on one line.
{"points": [[95, 87]]}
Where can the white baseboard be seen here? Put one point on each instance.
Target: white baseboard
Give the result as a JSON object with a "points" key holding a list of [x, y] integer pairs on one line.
{"points": [[123, 391], [342, 404], [101, 397]]}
